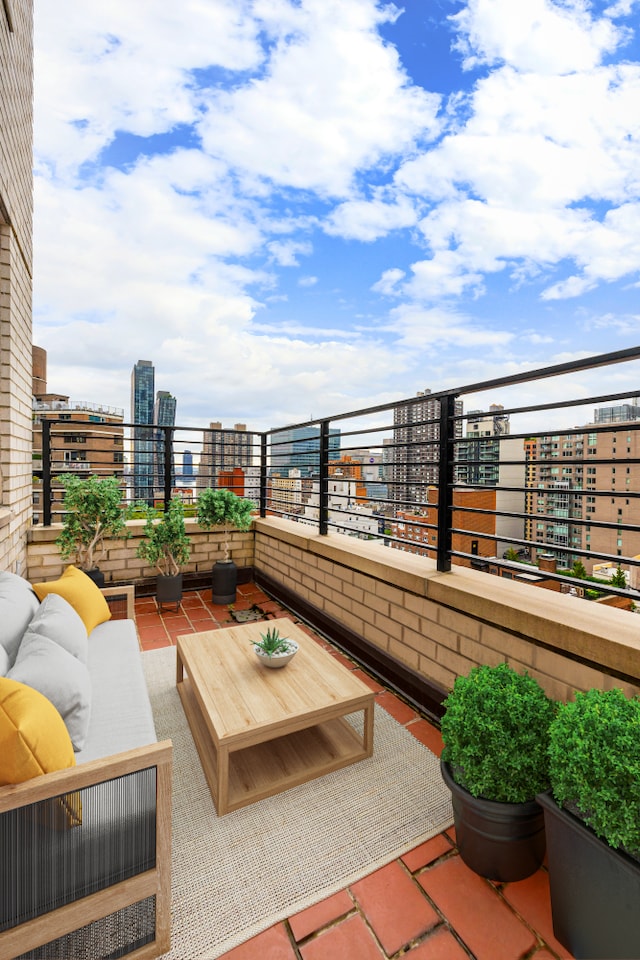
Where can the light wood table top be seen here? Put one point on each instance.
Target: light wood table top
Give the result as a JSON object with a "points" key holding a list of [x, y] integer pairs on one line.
{"points": [[258, 730]]}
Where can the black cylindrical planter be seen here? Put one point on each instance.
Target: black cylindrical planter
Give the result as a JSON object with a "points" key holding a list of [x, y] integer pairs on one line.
{"points": [[499, 841], [169, 589], [224, 579], [96, 575]]}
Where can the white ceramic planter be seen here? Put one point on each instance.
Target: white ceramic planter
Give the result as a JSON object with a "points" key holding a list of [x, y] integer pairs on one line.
{"points": [[277, 659]]}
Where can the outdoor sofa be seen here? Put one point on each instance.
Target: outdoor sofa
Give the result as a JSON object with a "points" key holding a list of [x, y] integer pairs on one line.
{"points": [[85, 788]]}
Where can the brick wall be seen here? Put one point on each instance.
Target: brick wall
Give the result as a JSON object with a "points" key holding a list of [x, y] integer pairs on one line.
{"points": [[16, 206], [119, 562], [442, 624]]}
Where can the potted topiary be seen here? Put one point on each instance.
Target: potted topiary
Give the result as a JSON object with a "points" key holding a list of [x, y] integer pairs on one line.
{"points": [[496, 734], [223, 508], [166, 547], [274, 650], [93, 510], [592, 816]]}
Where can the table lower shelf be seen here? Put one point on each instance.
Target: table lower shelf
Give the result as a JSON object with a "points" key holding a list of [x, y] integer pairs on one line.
{"points": [[267, 768]]}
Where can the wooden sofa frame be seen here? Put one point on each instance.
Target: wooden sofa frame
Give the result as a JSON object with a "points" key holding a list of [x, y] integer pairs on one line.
{"points": [[151, 883], [155, 882]]}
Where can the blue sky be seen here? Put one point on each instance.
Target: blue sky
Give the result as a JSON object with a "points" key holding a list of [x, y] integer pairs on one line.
{"points": [[299, 207]]}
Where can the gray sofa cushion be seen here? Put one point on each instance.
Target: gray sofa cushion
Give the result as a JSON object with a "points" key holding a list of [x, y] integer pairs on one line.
{"points": [[57, 620], [121, 716], [60, 677], [18, 605]]}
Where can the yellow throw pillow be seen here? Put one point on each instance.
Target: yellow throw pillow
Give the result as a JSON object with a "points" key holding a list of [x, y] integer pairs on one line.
{"points": [[81, 592], [33, 737]]}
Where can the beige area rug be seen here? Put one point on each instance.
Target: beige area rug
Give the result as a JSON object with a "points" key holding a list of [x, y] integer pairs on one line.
{"points": [[236, 875]]}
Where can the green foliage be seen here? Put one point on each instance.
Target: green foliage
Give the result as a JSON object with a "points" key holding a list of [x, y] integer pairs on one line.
{"points": [[272, 643], [578, 570], [594, 751], [496, 734], [619, 579], [93, 510], [222, 506], [511, 554], [166, 545]]}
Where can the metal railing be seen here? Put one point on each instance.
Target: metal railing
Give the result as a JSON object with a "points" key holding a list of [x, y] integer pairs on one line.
{"points": [[552, 484]]}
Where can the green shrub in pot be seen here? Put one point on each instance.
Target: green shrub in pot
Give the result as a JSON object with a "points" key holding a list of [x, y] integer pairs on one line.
{"points": [[594, 751], [496, 734]]}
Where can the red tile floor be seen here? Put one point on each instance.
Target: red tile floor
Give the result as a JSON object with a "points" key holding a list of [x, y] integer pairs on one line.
{"points": [[427, 905]]}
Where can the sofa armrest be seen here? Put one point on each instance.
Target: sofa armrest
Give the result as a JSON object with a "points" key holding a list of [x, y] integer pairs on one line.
{"points": [[153, 883], [121, 598]]}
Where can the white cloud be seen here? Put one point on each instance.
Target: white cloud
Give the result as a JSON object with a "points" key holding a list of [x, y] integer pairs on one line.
{"points": [[538, 35], [124, 66], [287, 252], [389, 282], [420, 328], [333, 100], [368, 220]]}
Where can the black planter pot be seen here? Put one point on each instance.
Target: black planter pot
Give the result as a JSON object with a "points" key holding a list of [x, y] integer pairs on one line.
{"points": [[96, 575], [224, 579], [500, 841], [595, 890], [169, 590]]}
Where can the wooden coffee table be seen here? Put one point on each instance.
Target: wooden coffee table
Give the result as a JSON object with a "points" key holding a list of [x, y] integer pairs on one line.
{"points": [[260, 731]]}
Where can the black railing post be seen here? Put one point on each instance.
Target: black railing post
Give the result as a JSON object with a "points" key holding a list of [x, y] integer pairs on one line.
{"points": [[323, 517], [168, 465], [46, 472], [445, 482], [263, 474]]}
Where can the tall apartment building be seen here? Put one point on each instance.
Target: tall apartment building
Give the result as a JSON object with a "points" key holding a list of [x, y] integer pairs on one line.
{"points": [[142, 408], [478, 455], [85, 438], [587, 475], [224, 449], [16, 276], [416, 436]]}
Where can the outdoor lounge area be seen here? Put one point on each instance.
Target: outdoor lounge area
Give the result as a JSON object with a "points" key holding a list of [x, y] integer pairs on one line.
{"points": [[426, 905], [407, 630]]}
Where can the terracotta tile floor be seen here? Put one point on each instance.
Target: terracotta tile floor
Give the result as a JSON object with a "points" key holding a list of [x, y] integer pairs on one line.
{"points": [[425, 906]]}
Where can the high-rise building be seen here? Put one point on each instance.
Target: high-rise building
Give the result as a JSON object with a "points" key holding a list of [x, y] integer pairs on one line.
{"points": [[187, 467], [142, 408], [416, 437], [223, 449], [569, 471], [164, 415], [298, 448], [478, 456]]}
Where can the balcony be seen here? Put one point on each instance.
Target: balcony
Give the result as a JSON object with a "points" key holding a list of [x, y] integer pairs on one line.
{"points": [[412, 606]]}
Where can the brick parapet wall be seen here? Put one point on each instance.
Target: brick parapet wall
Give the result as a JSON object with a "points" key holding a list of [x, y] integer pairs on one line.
{"points": [[442, 624], [119, 562]]}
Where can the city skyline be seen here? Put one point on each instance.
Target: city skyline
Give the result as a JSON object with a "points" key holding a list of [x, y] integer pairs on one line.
{"points": [[311, 207]]}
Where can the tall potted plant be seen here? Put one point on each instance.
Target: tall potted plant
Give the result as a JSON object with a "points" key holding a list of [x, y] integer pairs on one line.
{"points": [[166, 547], [592, 816], [496, 734], [93, 510], [224, 509]]}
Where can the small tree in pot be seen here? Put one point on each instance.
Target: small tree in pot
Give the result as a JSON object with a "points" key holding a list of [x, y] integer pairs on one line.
{"points": [[223, 508], [166, 547], [93, 510], [496, 735]]}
